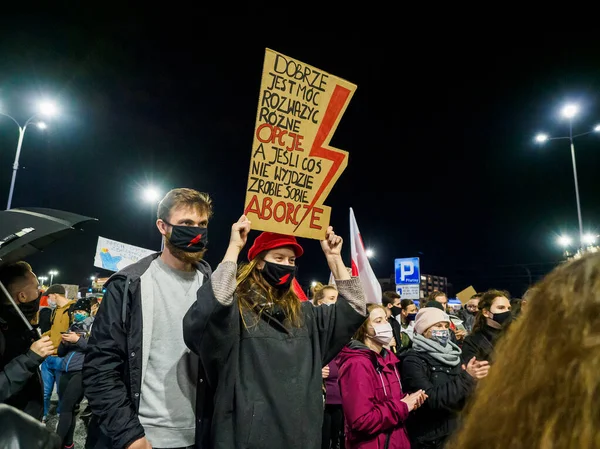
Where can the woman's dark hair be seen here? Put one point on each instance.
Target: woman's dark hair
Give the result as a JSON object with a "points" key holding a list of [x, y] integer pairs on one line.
{"points": [[485, 303], [405, 303], [389, 297]]}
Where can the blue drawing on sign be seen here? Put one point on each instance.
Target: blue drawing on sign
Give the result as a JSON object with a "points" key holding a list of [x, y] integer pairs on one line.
{"points": [[109, 261], [407, 271]]}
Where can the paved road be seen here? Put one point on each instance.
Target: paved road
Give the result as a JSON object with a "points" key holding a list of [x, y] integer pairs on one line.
{"points": [[80, 428]]}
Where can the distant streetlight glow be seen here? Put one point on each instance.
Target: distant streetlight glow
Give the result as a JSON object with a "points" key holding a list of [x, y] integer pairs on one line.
{"points": [[589, 239], [313, 284], [564, 241], [48, 109], [42, 279], [541, 138], [370, 253], [52, 274], [570, 111], [42, 125], [151, 194], [597, 128]]}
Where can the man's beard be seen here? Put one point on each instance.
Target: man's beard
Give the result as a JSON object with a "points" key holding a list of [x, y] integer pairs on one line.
{"points": [[184, 256]]}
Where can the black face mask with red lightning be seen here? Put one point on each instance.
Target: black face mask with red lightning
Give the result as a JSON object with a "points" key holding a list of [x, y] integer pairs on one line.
{"points": [[278, 276], [191, 239]]}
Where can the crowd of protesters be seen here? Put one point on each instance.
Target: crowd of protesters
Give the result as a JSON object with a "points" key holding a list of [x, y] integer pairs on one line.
{"points": [[180, 356]]}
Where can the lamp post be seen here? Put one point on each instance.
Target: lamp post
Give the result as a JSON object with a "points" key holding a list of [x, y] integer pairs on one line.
{"points": [[45, 108], [42, 279], [52, 274], [569, 111]]}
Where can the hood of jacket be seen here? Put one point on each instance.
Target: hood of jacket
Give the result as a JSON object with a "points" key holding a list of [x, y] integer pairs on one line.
{"points": [[358, 349]]}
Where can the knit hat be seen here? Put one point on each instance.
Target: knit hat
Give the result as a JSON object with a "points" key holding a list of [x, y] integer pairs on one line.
{"points": [[83, 304], [427, 317], [55, 289], [270, 240]]}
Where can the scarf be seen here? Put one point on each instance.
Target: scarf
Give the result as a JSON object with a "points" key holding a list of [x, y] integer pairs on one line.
{"points": [[448, 355]]}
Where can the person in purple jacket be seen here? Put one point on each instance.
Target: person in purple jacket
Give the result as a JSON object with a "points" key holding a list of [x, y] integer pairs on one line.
{"points": [[375, 407], [333, 417]]}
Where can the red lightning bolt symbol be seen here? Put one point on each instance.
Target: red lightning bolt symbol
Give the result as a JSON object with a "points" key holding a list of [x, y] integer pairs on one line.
{"points": [[284, 279], [339, 98], [195, 240]]}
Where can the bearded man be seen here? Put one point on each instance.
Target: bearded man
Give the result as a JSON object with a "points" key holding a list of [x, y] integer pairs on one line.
{"points": [[139, 377]]}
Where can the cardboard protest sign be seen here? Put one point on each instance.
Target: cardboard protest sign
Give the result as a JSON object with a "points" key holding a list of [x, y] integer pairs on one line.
{"points": [[293, 168], [114, 256], [466, 294]]}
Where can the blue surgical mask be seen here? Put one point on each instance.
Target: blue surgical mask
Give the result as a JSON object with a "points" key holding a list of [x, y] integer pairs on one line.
{"points": [[79, 317], [441, 336]]}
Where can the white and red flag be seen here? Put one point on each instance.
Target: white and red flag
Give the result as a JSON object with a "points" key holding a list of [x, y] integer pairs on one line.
{"points": [[361, 266]]}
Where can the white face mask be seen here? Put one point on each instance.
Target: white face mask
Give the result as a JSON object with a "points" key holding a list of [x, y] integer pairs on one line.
{"points": [[383, 333]]}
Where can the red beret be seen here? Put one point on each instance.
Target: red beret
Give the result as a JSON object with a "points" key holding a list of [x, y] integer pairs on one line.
{"points": [[271, 240]]}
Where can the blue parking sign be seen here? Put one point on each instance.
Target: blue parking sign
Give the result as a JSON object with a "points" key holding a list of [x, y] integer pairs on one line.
{"points": [[407, 271]]}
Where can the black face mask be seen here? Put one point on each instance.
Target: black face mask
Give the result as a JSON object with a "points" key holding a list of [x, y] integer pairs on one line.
{"points": [[502, 319], [396, 311], [191, 239], [279, 276], [410, 317], [30, 308]]}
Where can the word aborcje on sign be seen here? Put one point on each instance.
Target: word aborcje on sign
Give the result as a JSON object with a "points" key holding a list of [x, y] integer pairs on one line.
{"points": [[293, 168]]}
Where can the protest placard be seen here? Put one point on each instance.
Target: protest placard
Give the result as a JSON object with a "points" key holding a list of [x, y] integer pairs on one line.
{"points": [[293, 168], [114, 256]]}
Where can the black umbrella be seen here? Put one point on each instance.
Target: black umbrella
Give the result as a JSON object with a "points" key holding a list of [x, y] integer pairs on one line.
{"points": [[25, 231]]}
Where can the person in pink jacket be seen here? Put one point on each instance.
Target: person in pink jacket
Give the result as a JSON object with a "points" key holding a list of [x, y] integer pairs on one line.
{"points": [[375, 408]]}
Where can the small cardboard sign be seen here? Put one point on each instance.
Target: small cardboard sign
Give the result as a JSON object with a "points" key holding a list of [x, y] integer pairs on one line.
{"points": [[466, 294], [293, 168]]}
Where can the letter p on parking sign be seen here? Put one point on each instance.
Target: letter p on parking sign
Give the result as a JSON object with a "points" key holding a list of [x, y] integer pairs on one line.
{"points": [[407, 271]]}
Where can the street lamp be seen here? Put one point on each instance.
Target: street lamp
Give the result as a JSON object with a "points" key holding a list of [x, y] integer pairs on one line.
{"points": [[52, 274], [569, 111], [564, 241], [42, 279], [45, 108], [370, 253], [589, 239], [151, 194]]}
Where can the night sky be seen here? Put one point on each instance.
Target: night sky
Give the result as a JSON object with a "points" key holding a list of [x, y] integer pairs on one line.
{"points": [[442, 161]]}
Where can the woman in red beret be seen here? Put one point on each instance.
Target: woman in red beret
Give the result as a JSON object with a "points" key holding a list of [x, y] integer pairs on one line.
{"points": [[262, 348]]}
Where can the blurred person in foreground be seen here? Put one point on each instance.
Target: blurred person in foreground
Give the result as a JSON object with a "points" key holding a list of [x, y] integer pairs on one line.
{"points": [[263, 348], [434, 365], [544, 388], [375, 407], [20, 355]]}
